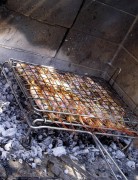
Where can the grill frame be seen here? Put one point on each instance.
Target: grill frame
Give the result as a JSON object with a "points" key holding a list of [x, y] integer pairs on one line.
{"points": [[40, 110], [48, 123]]}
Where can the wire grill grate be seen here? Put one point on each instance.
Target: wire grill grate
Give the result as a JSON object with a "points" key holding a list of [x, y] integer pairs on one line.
{"points": [[70, 99]]}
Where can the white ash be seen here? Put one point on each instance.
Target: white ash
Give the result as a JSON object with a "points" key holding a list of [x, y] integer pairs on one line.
{"points": [[20, 161], [59, 151], [33, 165], [120, 154], [8, 146], [113, 146], [37, 161], [84, 151], [58, 143], [131, 164], [66, 171]]}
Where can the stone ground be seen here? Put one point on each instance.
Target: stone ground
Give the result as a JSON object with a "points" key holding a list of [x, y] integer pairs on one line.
{"points": [[51, 168], [56, 168], [54, 35]]}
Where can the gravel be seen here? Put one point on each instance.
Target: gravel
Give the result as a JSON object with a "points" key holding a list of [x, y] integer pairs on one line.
{"points": [[78, 147]]}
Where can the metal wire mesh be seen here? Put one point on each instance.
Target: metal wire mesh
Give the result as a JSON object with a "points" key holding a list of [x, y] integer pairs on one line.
{"points": [[69, 99], [95, 94]]}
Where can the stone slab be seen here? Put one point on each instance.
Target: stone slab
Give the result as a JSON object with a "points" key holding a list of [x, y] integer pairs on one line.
{"points": [[85, 50], [103, 21], [75, 68], [128, 78], [21, 32], [124, 96], [125, 5], [54, 12], [7, 53], [131, 43]]}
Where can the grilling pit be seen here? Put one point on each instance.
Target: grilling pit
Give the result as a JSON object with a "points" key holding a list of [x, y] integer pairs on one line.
{"points": [[60, 119]]}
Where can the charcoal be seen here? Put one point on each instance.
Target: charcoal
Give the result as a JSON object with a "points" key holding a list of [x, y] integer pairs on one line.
{"points": [[79, 147]]}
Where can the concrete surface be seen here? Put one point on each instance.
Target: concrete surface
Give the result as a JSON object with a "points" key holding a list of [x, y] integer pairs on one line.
{"points": [[56, 12], [125, 5], [7, 52], [103, 21], [128, 78], [21, 32], [75, 68], [86, 50], [131, 43]]}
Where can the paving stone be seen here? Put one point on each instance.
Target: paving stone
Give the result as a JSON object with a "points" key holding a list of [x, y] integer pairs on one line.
{"points": [[23, 33], [54, 12], [131, 43], [130, 71], [103, 21], [80, 48], [125, 5]]}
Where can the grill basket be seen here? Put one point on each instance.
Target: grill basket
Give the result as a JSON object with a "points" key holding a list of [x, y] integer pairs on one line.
{"points": [[66, 101], [72, 102]]}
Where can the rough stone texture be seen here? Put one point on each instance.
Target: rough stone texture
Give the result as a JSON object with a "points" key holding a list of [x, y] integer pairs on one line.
{"points": [[58, 166], [54, 12], [7, 53], [21, 32], [24, 170], [54, 168], [131, 43], [128, 78], [125, 5], [103, 21], [83, 49], [50, 168], [75, 68]]}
